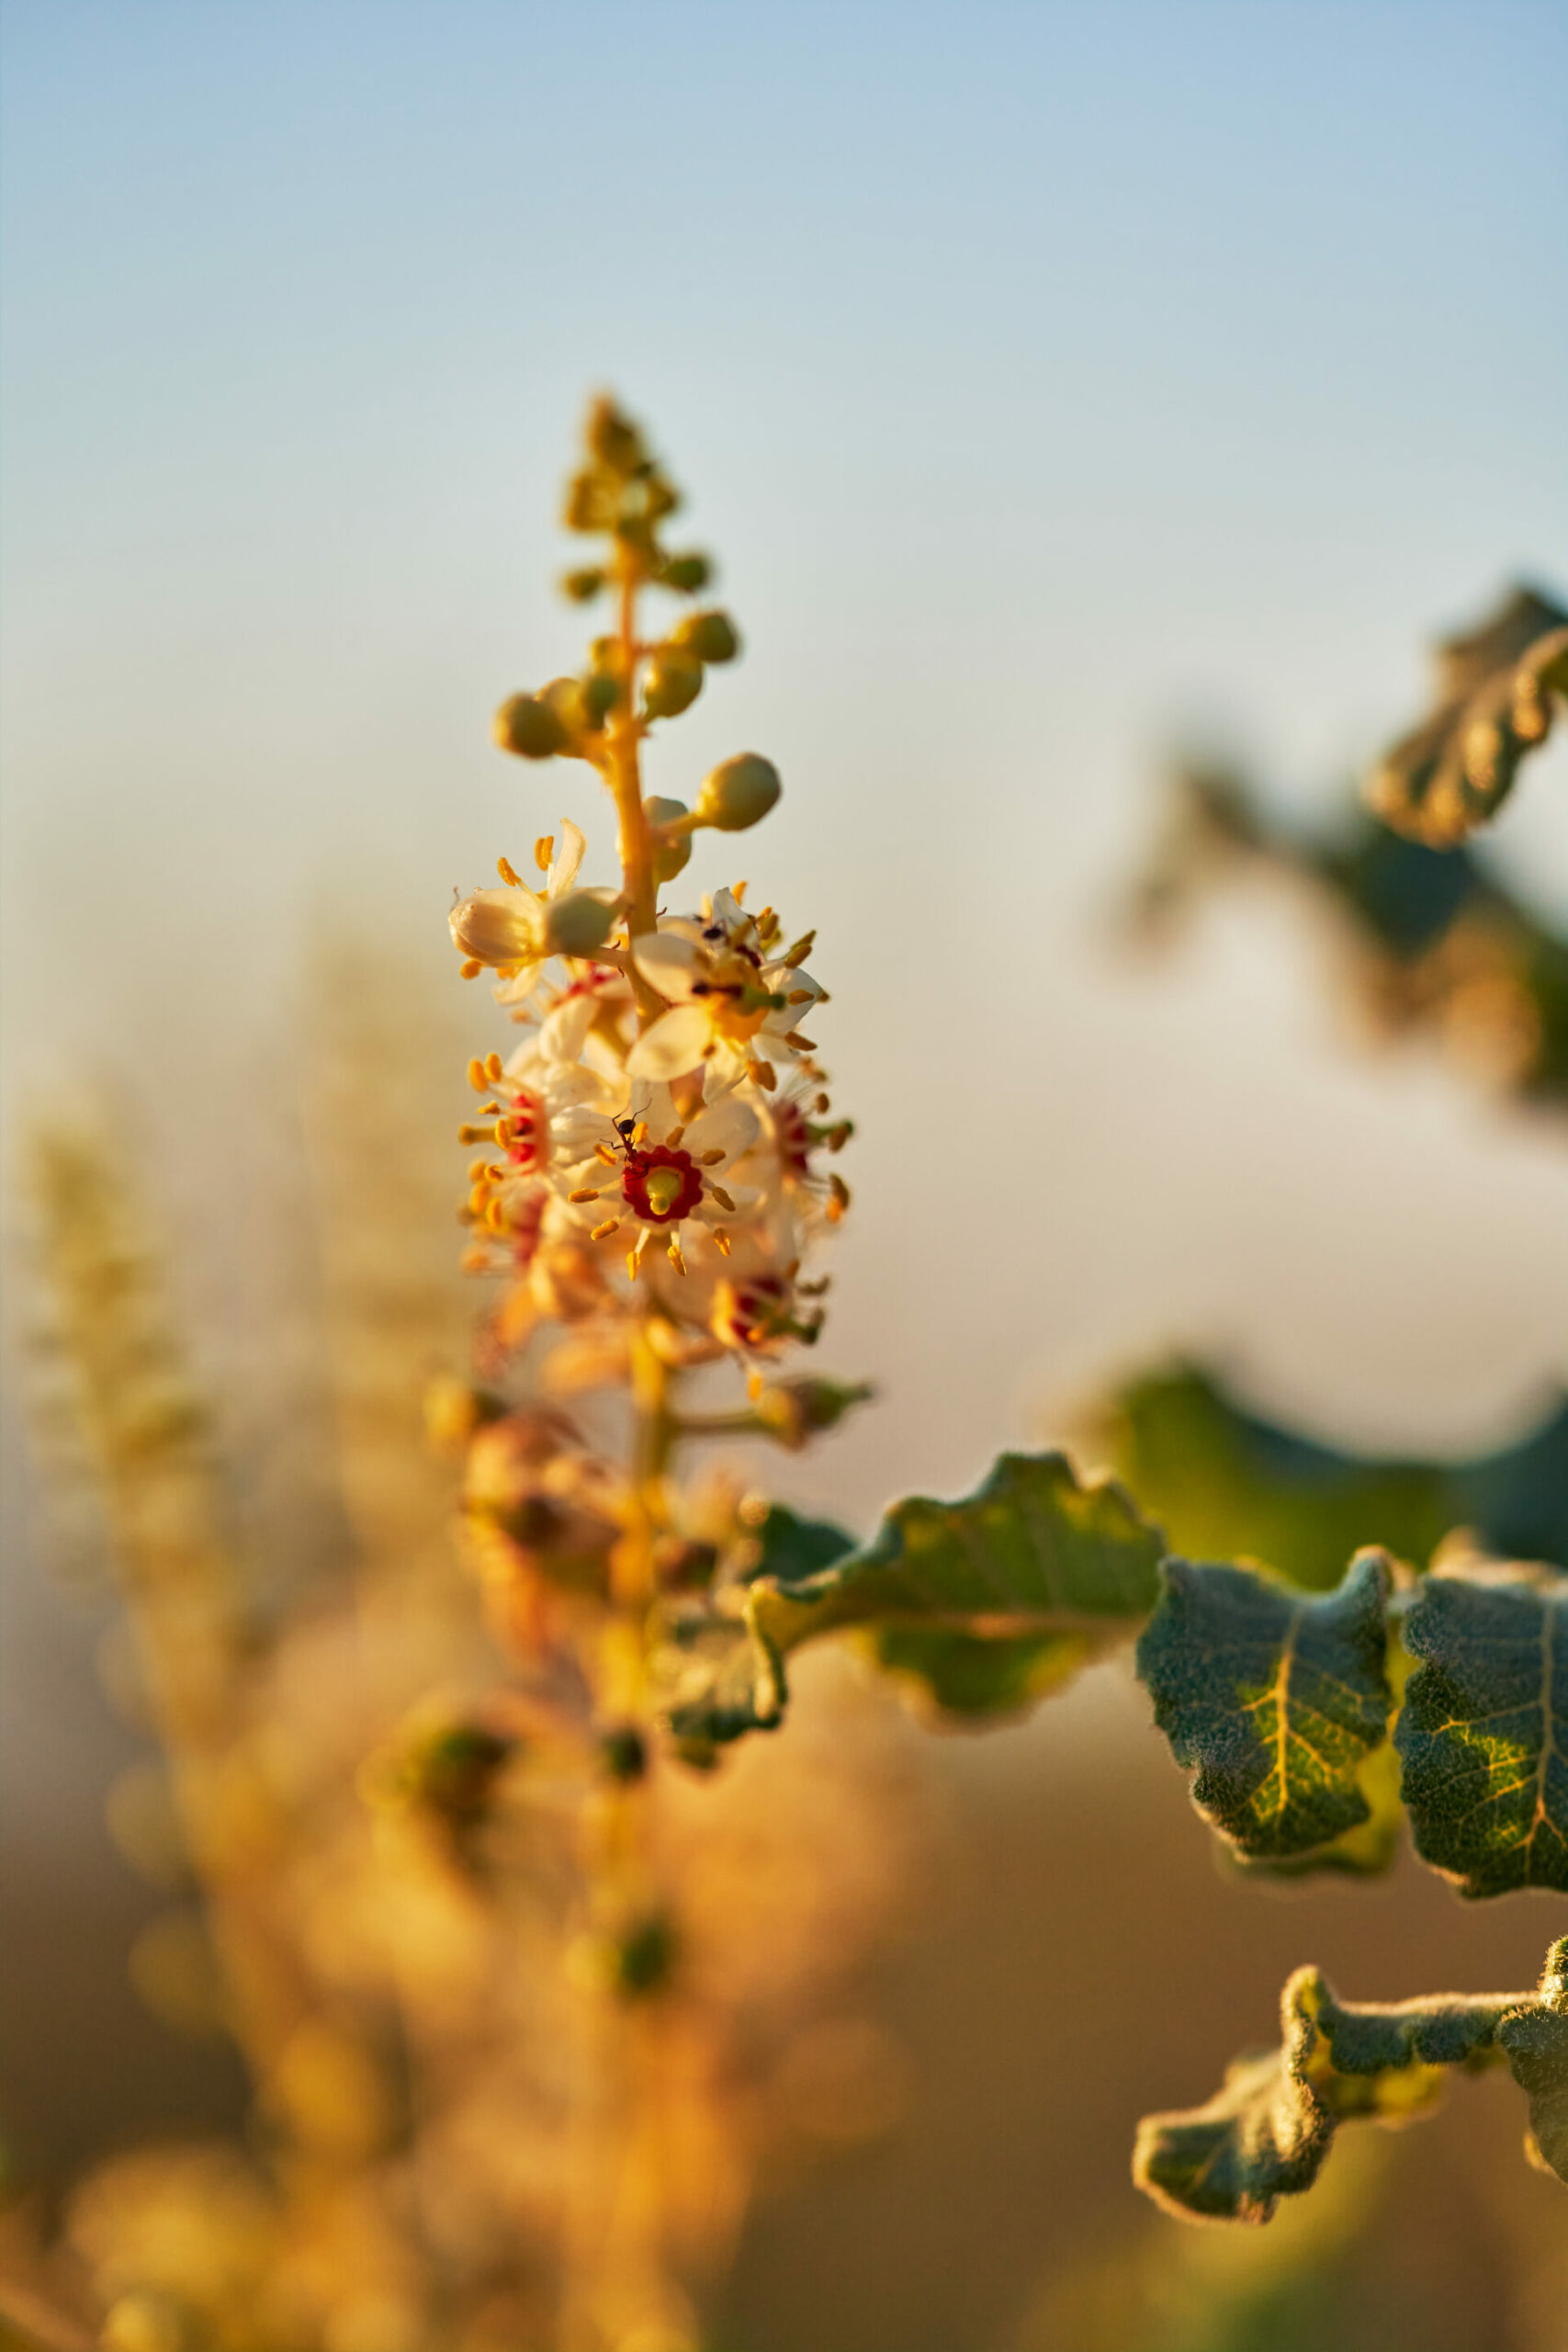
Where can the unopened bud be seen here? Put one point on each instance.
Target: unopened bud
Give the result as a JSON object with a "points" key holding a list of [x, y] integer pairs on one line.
{"points": [[564, 698], [712, 636], [612, 437], [498, 927], [579, 922], [454, 1409], [600, 693], [669, 857], [583, 586], [738, 792], [688, 573], [672, 683], [526, 725], [798, 1409]]}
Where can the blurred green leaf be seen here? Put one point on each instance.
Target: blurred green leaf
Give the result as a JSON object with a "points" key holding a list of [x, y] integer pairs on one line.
{"points": [[1497, 689], [1431, 943], [1484, 1730], [1279, 1700], [986, 1603], [1228, 1482], [1266, 2131]]}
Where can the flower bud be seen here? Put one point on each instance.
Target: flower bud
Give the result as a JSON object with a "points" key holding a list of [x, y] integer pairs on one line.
{"points": [[454, 1409], [565, 698], [583, 586], [526, 725], [612, 437], [577, 922], [738, 792], [671, 684], [670, 857], [498, 927], [600, 693], [796, 1410], [712, 636], [688, 573]]}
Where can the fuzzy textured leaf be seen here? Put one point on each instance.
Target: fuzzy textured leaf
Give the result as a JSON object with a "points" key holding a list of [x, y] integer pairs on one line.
{"points": [[1497, 688], [1484, 1730], [1265, 2133], [1279, 1699], [987, 1602]]}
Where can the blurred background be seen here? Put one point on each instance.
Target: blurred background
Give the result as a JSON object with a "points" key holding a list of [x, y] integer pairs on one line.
{"points": [[1057, 385]]}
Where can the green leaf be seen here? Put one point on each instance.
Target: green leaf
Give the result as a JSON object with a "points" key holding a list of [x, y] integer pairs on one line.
{"points": [[1535, 2038], [1266, 2131], [1484, 1730], [1497, 689], [1228, 1482], [1279, 1700], [986, 1603]]}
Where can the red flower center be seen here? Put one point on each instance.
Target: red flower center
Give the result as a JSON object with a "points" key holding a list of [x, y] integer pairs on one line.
{"points": [[526, 1130], [661, 1185]]}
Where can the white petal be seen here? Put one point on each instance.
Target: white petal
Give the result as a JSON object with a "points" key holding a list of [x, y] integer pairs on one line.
{"points": [[564, 1031], [730, 1126], [563, 869], [728, 910], [782, 981], [669, 961], [675, 1044]]}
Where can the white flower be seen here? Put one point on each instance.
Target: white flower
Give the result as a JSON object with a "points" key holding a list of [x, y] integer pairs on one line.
{"points": [[654, 1173], [729, 1000], [516, 929]]}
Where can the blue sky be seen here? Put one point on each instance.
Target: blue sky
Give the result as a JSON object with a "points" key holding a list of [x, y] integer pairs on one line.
{"points": [[1050, 378]]}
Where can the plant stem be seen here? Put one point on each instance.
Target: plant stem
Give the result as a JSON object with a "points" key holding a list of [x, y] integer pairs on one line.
{"points": [[625, 736]]}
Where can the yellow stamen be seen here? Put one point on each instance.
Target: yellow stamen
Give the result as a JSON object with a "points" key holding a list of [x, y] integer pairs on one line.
{"points": [[672, 1251], [709, 1159], [640, 1134], [471, 970], [544, 851], [585, 1192], [754, 1385], [722, 1197], [507, 872], [673, 1137], [477, 1169], [738, 892], [802, 1044], [721, 1243], [610, 1225], [479, 1198], [479, 1078], [602, 1151], [800, 951], [494, 1068], [495, 1217], [762, 1074]]}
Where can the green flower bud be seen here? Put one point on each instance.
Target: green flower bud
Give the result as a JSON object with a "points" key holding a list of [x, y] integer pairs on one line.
{"points": [[580, 922], [712, 636], [624, 1751], [600, 693], [527, 726], [644, 1956], [738, 792], [590, 504], [612, 437], [669, 857], [565, 700], [672, 683], [688, 573], [582, 587]]}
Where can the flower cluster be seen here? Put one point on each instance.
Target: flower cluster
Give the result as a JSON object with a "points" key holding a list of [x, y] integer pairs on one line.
{"points": [[656, 1145]]}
